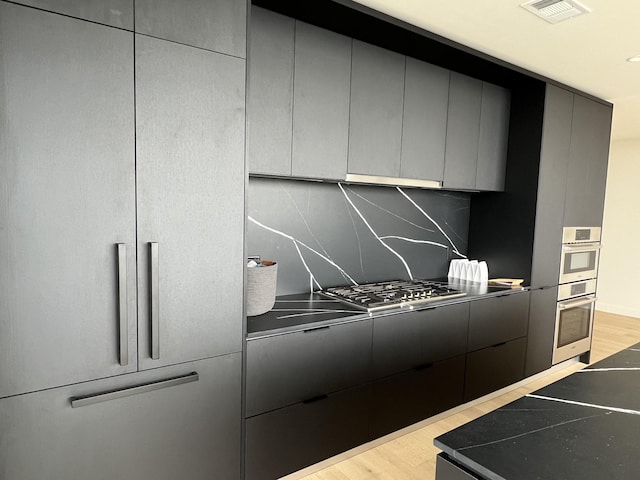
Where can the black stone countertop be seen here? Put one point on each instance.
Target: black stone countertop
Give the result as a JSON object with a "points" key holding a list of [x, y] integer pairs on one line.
{"points": [[307, 310], [585, 426]]}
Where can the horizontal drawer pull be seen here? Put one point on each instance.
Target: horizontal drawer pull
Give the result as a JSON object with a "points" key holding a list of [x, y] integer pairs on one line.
{"points": [[424, 366], [127, 392], [498, 344], [315, 399], [316, 329]]}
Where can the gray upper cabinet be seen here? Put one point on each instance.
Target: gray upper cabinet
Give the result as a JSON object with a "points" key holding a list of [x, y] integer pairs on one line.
{"points": [[322, 75], [424, 124], [270, 93], [588, 155], [190, 167], [463, 129], [493, 139], [552, 181], [115, 13], [218, 25], [67, 190], [375, 126]]}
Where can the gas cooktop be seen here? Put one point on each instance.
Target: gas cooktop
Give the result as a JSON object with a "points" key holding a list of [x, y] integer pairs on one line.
{"points": [[392, 294]]}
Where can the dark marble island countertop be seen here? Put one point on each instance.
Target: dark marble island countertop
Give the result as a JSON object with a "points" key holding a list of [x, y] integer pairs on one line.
{"points": [[585, 426], [309, 310]]}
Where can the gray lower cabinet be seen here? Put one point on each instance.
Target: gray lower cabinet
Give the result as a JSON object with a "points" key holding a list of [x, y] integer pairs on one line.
{"points": [[463, 130], [424, 121], [190, 211], [291, 438], [218, 25], [115, 13], [542, 320], [67, 179], [162, 425], [447, 469], [270, 93], [286, 369], [412, 396], [322, 79], [499, 319], [375, 124], [492, 368]]}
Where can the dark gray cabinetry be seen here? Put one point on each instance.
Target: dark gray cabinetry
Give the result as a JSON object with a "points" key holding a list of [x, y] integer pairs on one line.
{"points": [[412, 396], [218, 25], [409, 340], [375, 125], [270, 93], [588, 154], [68, 197], [188, 430], [493, 137], [322, 76], [447, 469], [424, 124], [286, 440], [287, 369], [463, 130], [542, 319], [552, 181], [115, 13], [190, 168]]}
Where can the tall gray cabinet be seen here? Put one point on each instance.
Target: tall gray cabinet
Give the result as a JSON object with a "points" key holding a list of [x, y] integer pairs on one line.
{"points": [[122, 163]]}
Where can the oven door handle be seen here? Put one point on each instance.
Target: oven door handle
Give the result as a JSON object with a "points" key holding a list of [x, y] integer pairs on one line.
{"points": [[578, 303], [585, 247]]}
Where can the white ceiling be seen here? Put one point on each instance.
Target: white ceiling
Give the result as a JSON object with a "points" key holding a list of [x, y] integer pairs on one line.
{"points": [[587, 52]]}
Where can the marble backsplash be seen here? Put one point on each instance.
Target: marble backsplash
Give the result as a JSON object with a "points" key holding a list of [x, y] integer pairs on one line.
{"points": [[324, 234]]}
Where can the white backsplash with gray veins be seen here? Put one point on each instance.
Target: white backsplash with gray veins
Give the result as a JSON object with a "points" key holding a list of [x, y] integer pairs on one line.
{"points": [[323, 234]]}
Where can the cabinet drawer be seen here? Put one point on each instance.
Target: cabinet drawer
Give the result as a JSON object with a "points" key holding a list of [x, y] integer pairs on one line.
{"points": [[498, 319], [407, 398], [447, 469], [286, 369], [492, 368], [292, 438], [408, 340]]}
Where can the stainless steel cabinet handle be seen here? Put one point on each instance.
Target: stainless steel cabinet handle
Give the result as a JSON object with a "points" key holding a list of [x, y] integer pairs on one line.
{"points": [[122, 304], [154, 302], [127, 392], [579, 303]]}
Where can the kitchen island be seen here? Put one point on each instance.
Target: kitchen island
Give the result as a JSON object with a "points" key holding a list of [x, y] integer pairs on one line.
{"points": [[581, 427]]}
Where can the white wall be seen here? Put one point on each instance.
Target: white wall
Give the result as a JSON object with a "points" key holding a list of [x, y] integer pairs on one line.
{"points": [[619, 273]]}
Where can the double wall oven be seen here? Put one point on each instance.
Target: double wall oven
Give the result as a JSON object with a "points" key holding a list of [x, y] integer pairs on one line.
{"points": [[576, 292]]}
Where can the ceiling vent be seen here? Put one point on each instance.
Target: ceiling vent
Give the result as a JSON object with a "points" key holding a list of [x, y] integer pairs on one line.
{"points": [[554, 11]]}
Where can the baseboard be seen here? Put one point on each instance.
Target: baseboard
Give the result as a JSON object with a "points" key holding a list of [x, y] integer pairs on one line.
{"points": [[617, 309]]}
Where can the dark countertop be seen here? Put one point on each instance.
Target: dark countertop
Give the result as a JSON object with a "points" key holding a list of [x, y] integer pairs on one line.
{"points": [[307, 310], [584, 426]]}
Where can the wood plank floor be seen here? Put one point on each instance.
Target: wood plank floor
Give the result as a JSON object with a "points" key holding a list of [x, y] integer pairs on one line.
{"points": [[410, 454]]}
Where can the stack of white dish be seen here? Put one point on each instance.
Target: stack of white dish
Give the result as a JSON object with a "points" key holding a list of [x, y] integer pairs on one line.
{"points": [[469, 270]]}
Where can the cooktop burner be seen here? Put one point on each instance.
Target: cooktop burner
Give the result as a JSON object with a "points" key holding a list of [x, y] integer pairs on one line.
{"points": [[392, 294]]}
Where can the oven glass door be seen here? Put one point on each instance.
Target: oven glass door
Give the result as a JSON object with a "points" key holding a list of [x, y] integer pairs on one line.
{"points": [[579, 262], [574, 323]]}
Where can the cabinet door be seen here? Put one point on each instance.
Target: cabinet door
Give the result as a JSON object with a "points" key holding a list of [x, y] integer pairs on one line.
{"points": [[286, 369], [424, 124], [321, 103], [493, 368], [542, 321], [67, 190], [115, 13], [552, 182], [375, 124], [188, 430], [494, 136], [499, 319], [218, 25], [286, 440], [409, 340], [190, 167], [407, 398], [270, 93], [463, 128], [588, 156]]}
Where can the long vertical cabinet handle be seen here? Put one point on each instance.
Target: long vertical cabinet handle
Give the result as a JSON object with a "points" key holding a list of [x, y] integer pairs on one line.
{"points": [[155, 302], [122, 304]]}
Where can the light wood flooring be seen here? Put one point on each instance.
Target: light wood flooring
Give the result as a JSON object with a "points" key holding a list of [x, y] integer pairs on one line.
{"points": [[410, 454]]}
